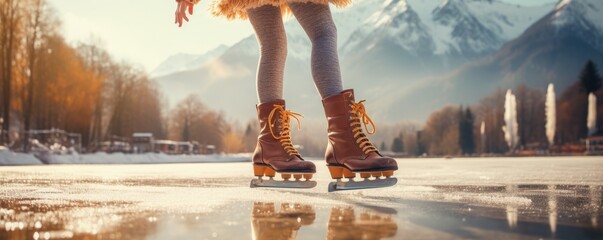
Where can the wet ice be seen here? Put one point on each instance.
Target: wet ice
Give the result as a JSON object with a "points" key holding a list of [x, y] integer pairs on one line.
{"points": [[434, 198]]}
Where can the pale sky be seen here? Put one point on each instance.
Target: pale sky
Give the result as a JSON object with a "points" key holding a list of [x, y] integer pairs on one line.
{"points": [[143, 32]]}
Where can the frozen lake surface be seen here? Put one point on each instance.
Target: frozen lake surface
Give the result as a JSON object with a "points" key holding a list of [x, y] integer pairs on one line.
{"points": [[493, 198]]}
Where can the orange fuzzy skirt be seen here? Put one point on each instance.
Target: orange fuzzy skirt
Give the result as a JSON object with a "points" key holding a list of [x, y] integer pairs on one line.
{"points": [[237, 9]]}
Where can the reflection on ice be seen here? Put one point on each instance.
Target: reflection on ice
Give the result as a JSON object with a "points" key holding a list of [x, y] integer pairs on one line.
{"points": [[345, 224], [29, 219], [511, 210], [268, 223], [552, 208], [53, 235], [595, 204], [512, 216]]}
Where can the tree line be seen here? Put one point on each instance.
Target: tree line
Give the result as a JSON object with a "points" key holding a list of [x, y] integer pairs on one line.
{"points": [[457, 130], [48, 83]]}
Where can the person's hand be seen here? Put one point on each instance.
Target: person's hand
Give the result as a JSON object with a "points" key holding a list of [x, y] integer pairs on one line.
{"points": [[183, 7]]}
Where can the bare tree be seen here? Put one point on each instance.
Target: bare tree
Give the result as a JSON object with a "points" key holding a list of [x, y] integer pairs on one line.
{"points": [[134, 103], [530, 115], [10, 18], [490, 111], [39, 24], [192, 121], [441, 132], [99, 62]]}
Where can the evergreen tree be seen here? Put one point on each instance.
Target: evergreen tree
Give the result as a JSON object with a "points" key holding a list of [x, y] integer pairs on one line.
{"points": [[468, 131], [590, 78], [466, 137], [251, 135], [383, 147], [398, 144], [186, 130], [421, 149]]}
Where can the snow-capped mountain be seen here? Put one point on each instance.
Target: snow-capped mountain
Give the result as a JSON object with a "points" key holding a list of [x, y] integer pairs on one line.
{"points": [[405, 41], [390, 51], [418, 38], [396, 21], [466, 27], [581, 17], [185, 62], [552, 50]]}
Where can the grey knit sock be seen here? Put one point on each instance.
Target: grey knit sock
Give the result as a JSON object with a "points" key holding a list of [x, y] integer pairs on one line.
{"points": [[267, 22], [318, 23]]}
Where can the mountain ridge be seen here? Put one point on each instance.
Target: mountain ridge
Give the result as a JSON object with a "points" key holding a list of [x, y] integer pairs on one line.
{"points": [[388, 74]]}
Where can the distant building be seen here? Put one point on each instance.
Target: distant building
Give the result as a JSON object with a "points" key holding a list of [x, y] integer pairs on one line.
{"points": [[143, 142], [209, 149], [166, 147], [188, 148], [174, 147], [115, 147], [594, 143]]}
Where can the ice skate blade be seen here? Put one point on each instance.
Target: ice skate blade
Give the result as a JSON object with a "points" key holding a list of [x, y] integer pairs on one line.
{"points": [[355, 185], [281, 184]]}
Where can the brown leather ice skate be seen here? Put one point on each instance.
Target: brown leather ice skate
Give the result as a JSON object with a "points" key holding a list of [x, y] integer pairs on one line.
{"points": [[274, 151], [349, 151]]}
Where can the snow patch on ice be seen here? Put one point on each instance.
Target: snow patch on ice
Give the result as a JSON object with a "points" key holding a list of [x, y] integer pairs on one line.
{"points": [[463, 197], [12, 158], [502, 200]]}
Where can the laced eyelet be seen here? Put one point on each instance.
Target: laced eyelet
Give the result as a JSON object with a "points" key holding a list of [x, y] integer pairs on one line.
{"points": [[359, 117], [284, 130]]}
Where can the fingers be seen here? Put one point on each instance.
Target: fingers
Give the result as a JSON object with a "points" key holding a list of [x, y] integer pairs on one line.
{"points": [[180, 13], [178, 18], [181, 10]]}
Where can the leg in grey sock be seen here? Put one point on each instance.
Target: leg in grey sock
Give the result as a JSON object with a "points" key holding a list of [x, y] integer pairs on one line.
{"points": [[267, 22], [318, 23]]}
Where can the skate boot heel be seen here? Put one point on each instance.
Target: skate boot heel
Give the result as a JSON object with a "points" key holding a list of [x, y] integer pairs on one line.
{"points": [[260, 171], [336, 172]]}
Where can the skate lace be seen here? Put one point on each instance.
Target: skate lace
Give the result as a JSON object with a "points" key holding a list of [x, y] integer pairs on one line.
{"points": [[285, 131], [359, 118]]}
